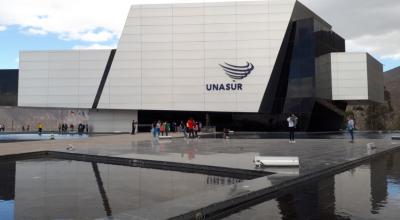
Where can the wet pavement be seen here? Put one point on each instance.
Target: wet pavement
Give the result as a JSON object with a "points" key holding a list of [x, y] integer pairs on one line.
{"points": [[239, 153], [317, 157]]}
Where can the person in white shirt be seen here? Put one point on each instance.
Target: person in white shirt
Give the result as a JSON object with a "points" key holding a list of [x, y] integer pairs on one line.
{"points": [[292, 123], [350, 128]]}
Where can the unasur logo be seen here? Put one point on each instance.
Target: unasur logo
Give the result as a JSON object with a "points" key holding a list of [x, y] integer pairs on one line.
{"points": [[235, 73]]}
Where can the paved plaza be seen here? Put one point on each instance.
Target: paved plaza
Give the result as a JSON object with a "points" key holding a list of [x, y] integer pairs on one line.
{"points": [[317, 156]]}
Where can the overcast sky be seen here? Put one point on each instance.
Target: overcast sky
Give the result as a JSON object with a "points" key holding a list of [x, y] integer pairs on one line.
{"points": [[371, 25], [368, 25]]}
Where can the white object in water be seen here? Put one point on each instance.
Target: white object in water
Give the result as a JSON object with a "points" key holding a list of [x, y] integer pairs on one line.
{"points": [[276, 161], [165, 137], [371, 146], [70, 147]]}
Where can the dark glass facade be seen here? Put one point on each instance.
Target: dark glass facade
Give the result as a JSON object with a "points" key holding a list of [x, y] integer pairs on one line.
{"points": [[292, 88], [9, 87]]}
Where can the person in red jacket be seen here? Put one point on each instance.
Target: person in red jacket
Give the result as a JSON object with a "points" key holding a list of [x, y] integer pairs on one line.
{"points": [[162, 128], [189, 126]]}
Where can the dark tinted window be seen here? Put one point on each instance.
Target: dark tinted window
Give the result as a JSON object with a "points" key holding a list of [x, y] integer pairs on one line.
{"points": [[8, 87]]}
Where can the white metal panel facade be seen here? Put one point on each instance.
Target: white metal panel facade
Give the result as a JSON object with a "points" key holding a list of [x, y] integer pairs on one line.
{"points": [[112, 120], [168, 53], [60, 78], [349, 76], [356, 76]]}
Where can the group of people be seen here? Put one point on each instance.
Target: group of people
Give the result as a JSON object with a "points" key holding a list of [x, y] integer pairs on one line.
{"points": [[64, 127], [160, 128], [27, 128], [83, 128], [189, 129]]}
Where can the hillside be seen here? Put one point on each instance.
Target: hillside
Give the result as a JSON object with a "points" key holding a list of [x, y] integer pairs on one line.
{"points": [[392, 84], [381, 116]]}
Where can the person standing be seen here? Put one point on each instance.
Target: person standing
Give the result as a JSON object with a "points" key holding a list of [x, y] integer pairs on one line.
{"points": [[195, 129], [133, 127], [154, 129], [40, 128], [183, 129], [162, 128], [292, 123], [189, 126], [158, 128], [350, 128], [173, 127], [167, 127]]}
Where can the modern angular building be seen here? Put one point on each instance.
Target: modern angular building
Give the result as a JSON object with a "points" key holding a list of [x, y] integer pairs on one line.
{"points": [[241, 65]]}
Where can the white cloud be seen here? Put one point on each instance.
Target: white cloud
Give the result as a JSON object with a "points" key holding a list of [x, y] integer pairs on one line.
{"points": [[89, 36], [3, 28], [368, 25], [94, 46], [385, 45], [89, 20], [34, 31]]}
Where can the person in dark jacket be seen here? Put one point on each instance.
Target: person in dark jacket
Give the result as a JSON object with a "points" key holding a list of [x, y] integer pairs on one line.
{"points": [[133, 127], [292, 123]]}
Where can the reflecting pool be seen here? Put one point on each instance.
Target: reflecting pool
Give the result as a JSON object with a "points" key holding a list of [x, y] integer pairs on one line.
{"points": [[64, 189], [370, 191], [36, 137]]}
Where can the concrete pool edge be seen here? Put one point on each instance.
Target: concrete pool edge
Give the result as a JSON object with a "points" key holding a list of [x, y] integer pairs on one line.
{"points": [[142, 163]]}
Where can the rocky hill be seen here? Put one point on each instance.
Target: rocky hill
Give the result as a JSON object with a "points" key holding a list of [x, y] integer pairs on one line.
{"points": [[381, 116], [392, 84]]}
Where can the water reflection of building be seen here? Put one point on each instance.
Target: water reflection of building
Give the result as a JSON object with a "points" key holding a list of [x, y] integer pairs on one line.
{"points": [[369, 191], [365, 190], [379, 168], [7, 190], [352, 190], [316, 200], [384, 172], [220, 180], [7, 180], [394, 168]]}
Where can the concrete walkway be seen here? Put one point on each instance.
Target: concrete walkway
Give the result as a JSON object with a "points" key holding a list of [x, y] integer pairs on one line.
{"points": [[83, 143]]}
